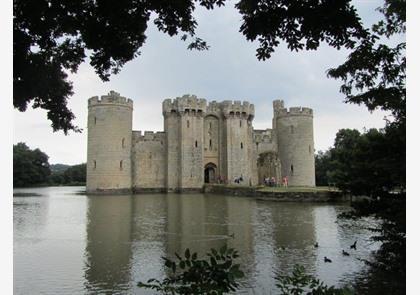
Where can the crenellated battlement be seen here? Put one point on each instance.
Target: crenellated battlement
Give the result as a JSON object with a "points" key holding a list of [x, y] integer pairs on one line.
{"points": [[191, 104], [278, 104], [213, 107], [293, 111], [186, 103], [237, 108], [113, 98]]}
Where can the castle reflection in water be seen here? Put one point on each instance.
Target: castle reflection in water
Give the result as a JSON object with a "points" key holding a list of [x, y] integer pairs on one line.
{"points": [[127, 236]]}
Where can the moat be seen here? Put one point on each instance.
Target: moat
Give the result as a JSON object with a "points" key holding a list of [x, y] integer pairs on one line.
{"points": [[66, 242]]}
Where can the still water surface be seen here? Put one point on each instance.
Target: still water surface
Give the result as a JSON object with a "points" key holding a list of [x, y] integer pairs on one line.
{"points": [[66, 242]]}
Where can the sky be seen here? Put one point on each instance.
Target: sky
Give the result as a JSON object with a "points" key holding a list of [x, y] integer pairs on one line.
{"points": [[229, 70]]}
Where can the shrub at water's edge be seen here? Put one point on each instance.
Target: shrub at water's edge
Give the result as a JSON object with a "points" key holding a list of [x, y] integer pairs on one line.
{"points": [[189, 275], [218, 274]]}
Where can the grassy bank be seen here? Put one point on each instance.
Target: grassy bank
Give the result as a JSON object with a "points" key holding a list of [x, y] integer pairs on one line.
{"points": [[280, 189], [298, 189]]}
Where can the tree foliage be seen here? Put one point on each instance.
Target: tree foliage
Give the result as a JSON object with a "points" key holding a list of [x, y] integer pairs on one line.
{"points": [[189, 275], [52, 38], [373, 164], [369, 164], [299, 282], [300, 24], [30, 167], [59, 168], [374, 73], [68, 175], [322, 166], [75, 173]]}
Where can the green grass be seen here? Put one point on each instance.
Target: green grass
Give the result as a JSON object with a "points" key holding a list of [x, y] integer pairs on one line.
{"points": [[298, 189], [293, 189]]}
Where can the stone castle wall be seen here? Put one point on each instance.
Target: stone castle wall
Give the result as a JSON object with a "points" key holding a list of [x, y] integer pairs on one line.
{"points": [[201, 142], [149, 161]]}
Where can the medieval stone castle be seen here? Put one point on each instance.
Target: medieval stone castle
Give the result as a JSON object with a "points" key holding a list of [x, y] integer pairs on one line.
{"points": [[201, 143]]}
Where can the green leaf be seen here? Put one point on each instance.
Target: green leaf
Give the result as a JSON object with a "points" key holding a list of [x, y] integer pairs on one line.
{"points": [[168, 263], [213, 261], [223, 249], [213, 251]]}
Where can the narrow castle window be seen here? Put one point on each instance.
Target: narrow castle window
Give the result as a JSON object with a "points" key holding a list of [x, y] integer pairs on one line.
{"points": [[240, 123], [196, 144], [94, 121], [188, 123], [94, 164], [122, 143], [291, 169], [210, 125], [242, 145], [121, 165], [292, 130], [210, 143]]}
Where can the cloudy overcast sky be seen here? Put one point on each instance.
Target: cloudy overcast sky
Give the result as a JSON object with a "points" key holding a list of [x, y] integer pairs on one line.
{"points": [[229, 70]]}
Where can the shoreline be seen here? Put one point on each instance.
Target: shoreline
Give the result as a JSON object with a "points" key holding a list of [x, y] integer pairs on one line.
{"points": [[264, 193], [280, 194]]}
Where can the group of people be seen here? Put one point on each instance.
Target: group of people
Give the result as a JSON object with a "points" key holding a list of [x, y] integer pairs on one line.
{"points": [[222, 180], [273, 182], [268, 181], [238, 179]]}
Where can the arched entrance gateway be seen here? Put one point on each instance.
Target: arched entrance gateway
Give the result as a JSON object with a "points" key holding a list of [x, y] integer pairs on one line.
{"points": [[268, 165], [210, 173]]}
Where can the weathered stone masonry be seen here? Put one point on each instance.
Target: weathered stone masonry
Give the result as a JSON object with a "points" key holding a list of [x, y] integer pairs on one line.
{"points": [[201, 142]]}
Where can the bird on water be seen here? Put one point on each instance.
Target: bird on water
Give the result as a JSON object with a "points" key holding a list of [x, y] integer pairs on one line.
{"points": [[345, 253], [326, 259], [354, 245]]}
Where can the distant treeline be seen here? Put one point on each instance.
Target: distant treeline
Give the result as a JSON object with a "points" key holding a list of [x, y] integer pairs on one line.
{"points": [[31, 168]]}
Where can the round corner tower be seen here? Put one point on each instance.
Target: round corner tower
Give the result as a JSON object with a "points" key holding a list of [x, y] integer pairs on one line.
{"points": [[295, 137], [109, 143]]}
